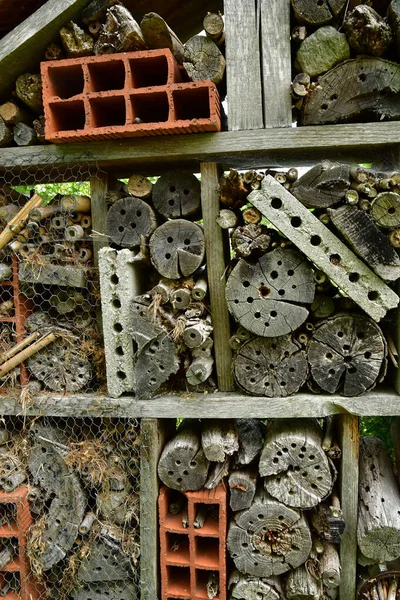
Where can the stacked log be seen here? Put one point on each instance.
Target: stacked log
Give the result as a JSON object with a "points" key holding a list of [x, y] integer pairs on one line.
{"points": [[356, 44], [301, 323], [285, 519]]}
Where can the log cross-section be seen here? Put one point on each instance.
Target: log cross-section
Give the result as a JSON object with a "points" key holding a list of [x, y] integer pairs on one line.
{"points": [[325, 250]]}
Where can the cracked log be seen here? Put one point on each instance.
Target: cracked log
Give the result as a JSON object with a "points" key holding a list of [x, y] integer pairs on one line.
{"points": [[177, 195], [385, 210], [219, 438], [129, 220], [242, 485], [295, 467], [301, 585], [269, 538], [317, 13], [204, 60], [246, 587], [268, 296], [177, 248], [274, 367], [347, 354], [251, 240], [323, 185]]}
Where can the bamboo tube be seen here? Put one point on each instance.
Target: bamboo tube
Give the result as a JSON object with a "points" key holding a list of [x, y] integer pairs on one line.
{"points": [[18, 347], [19, 220], [26, 353], [39, 214], [76, 203]]}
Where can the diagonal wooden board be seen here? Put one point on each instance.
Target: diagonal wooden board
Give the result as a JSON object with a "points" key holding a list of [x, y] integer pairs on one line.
{"points": [[323, 248]]}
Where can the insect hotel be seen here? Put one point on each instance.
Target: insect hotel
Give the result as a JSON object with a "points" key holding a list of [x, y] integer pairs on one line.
{"points": [[199, 296]]}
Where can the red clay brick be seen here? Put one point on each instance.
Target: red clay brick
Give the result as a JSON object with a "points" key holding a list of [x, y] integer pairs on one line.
{"points": [[30, 588], [99, 97], [189, 555]]}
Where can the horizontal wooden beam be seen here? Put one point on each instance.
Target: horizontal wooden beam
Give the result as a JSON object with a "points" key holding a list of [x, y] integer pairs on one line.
{"points": [[24, 46], [296, 146], [203, 406]]}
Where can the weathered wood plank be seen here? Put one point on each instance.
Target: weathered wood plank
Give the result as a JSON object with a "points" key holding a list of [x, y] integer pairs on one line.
{"points": [[20, 49], [276, 63], [215, 256], [243, 69], [355, 142], [349, 433], [154, 434], [224, 405], [98, 192]]}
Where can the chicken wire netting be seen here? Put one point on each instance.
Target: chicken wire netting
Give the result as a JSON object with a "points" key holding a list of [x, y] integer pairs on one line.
{"points": [[69, 508], [50, 340]]}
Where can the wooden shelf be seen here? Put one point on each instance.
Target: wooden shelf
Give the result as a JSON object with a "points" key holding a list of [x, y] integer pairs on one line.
{"points": [[223, 405]]}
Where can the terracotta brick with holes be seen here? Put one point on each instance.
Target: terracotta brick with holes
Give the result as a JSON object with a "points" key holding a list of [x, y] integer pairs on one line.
{"points": [[193, 560], [22, 308], [18, 528], [132, 94]]}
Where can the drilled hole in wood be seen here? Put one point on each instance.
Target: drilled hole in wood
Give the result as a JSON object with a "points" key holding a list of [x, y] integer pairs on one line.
{"points": [[264, 291], [172, 188], [334, 97], [273, 314], [293, 445], [276, 203], [331, 371], [275, 460], [257, 315], [186, 192], [121, 228], [340, 334], [324, 107], [362, 77], [168, 256], [295, 221], [347, 359], [367, 355], [171, 202], [186, 242], [116, 302], [250, 300], [274, 275], [170, 239], [328, 355]]}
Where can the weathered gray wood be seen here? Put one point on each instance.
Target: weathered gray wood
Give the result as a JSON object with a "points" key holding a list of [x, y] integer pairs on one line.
{"points": [[154, 364], [349, 440], [158, 34], [268, 538], [183, 465], [378, 531], [301, 585], [54, 274], [251, 433], [295, 467], [19, 50], [196, 333], [327, 520], [177, 195], [154, 434], [105, 591], [246, 587], [275, 62], [243, 70], [216, 252], [385, 210], [251, 240], [24, 135], [217, 472], [324, 248], [330, 566], [130, 222], [347, 352], [219, 439], [369, 87], [200, 370], [203, 60], [367, 32], [120, 33], [98, 191], [177, 248], [268, 297], [272, 367], [317, 13], [105, 562], [323, 185], [367, 240], [242, 485], [320, 51]]}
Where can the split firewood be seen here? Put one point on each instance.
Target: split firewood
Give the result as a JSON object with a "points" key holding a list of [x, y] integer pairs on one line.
{"points": [[271, 367], [96, 10], [24, 135], [53, 52], [378, 530], [317, 14], [323, 185], [129, 220], [120, 33], [293, 463], [183, 465], [366, 31], [16, 224], [268, 297], [177, 195], [213, 25], [385, 210], [12, 114], [366, 239], [242, 485], [6, 133], [369, 88], [155, 362], [330, 567], [76, 42], [203, 60], [347, 352], [284, 544], [177, 248], [300, 583], [227, 218], [251, 433], [251, 240], [139, 186], [158, 34], [28, 88], [200, 370], [196, 334], [204, 349], [219, 438]]}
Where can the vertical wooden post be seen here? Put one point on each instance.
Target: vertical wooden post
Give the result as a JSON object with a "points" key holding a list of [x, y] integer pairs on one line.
{"points": [[276, 69], [98, 191], [243, 69], [349, 434], [215, 256], [154, 434]]}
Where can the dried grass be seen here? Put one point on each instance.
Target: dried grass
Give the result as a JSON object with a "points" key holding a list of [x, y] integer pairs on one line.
{"points": [[35, 545], [89, 459]]}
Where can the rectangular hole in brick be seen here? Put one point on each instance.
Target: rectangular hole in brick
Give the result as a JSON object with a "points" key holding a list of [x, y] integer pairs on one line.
{"points": [[207, 584], [106, 76], [178, 582], [66, 82], [150, 108], [191, 103], [68, 116], [9, 583], [107, 112], [177, 507], [178, 549], [211, 514], [8, 514], [207, 552], [9, 549], [148, 71]]}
